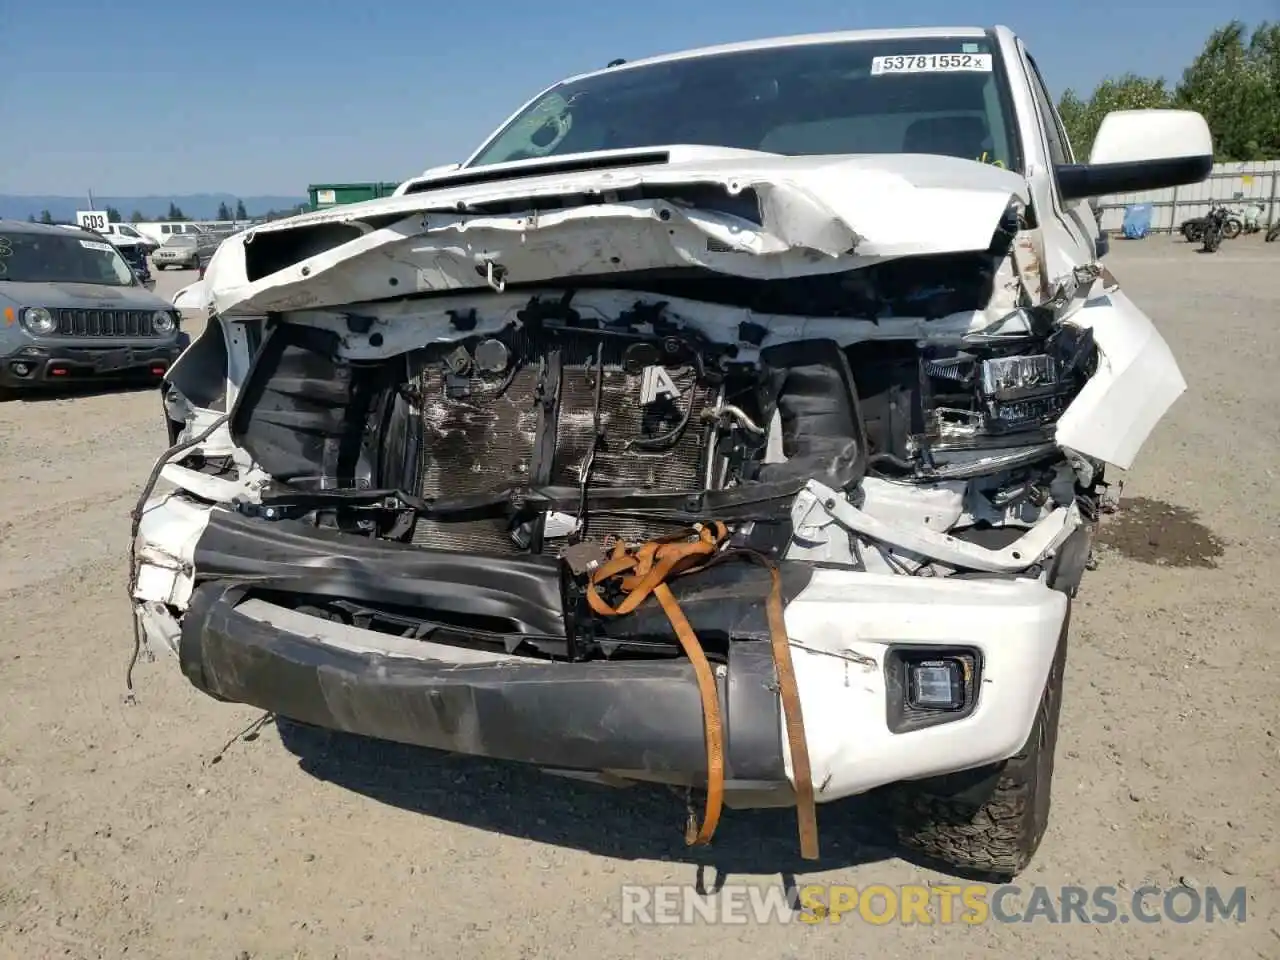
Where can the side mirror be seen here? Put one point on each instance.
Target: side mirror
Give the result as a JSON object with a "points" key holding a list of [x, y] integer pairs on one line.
{"points": [[1141, 150]]}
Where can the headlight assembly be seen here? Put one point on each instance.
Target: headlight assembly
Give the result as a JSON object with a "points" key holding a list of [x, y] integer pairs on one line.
{"points": [[162, 322], [39, 321]]}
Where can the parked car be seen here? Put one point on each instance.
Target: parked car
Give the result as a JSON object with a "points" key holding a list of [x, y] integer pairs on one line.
{"points": [[736, 419], [185, 251], [72, 308]]}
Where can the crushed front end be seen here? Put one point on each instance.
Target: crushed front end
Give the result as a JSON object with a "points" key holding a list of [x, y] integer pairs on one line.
{"points": [[382, 516]]}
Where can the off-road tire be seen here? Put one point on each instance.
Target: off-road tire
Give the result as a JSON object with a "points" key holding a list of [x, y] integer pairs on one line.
{"points": [[996, 833]]}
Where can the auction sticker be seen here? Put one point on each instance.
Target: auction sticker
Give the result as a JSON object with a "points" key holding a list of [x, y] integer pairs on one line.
{"points": [[932, 63], [95, 245]]}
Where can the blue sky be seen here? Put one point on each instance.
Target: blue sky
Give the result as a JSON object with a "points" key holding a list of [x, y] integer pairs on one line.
{"points": [[268, 96]]}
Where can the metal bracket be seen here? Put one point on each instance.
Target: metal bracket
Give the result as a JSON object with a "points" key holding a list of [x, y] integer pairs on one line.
{"points": [[496, 275], [817, 504]]}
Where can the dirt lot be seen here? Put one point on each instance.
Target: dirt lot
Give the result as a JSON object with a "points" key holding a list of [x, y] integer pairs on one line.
{"points": [[121, 832]]}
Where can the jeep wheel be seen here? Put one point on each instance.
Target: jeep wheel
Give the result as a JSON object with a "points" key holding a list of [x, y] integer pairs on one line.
{"points": [[997, 832]]}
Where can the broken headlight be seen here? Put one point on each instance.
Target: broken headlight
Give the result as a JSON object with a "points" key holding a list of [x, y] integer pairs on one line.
{"points": [[1022, 391], [999, 390]]}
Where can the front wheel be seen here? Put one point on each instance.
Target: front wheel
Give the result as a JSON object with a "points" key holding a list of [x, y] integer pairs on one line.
{"points": [[1231, 229], [1212, 240], [1191, 232], [996, 828], [1273, 233]]}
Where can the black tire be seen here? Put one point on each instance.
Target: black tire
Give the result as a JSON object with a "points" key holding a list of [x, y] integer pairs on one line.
{"points": [[1212, 241], [988, 822], [1273, 233], [1191, 232], [1231, 228]]}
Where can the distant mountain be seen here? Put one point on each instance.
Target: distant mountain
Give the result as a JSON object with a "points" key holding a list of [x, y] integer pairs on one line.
{"points": [[197, 206]]}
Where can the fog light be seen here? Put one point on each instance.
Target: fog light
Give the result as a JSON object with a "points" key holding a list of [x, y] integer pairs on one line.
{"points": [[936, 684], [22, 369]]}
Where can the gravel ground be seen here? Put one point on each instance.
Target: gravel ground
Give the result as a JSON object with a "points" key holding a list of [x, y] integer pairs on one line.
{"points": [[129, 830]]}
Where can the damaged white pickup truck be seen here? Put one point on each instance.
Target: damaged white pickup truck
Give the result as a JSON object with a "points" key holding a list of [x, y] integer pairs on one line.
{"points": [[735, 420]]}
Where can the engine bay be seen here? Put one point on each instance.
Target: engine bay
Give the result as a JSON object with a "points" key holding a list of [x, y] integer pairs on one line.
{"points": [[530, 432]]}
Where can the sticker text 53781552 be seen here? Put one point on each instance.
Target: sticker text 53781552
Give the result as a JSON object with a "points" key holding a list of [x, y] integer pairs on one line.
{"points": [[932, 63]]}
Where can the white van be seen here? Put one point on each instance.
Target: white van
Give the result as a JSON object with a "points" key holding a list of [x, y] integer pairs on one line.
{"points": [[120, 236], [123, 234], [162, 230]]}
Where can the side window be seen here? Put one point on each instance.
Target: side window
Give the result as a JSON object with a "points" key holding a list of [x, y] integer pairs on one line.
{"points": [[1059, 146], [165, 228]]}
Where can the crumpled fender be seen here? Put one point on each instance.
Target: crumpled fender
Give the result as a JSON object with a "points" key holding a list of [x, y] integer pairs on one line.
{"points": [[192, 297], [1136, 383]]}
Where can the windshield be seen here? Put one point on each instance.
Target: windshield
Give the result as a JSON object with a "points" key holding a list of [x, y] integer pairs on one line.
{"points": [[129, 232], [46, 258], [180, 240], [916, 95]]}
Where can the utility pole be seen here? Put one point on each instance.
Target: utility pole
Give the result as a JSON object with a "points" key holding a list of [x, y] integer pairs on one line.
{"points": [[91, 206]]}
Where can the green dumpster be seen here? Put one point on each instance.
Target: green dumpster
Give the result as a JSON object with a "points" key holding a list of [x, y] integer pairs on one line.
{"points": [[325, 195]]}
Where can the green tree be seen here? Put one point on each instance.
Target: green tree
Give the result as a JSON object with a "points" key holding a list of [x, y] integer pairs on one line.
{"points": [[175, 212], [31, 218], [46, 216], [224, 212], [113, 215], [291, 212], [1129, 92], [1235, 84], [137, 217], [241, 212]]}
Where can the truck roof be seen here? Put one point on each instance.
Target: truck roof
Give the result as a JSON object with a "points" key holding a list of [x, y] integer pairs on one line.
{"points": [[838, 36]]}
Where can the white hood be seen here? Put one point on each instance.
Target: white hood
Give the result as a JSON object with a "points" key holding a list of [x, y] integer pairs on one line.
{"points": [[817, 215]]}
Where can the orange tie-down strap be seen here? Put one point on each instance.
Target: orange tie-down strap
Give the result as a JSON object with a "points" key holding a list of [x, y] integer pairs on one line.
{"points": [[644, 569]]}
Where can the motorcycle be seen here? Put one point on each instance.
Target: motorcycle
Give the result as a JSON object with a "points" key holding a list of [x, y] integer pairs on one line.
{"points": [[1274, 233], [1213, 229], [1193, 229]]}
